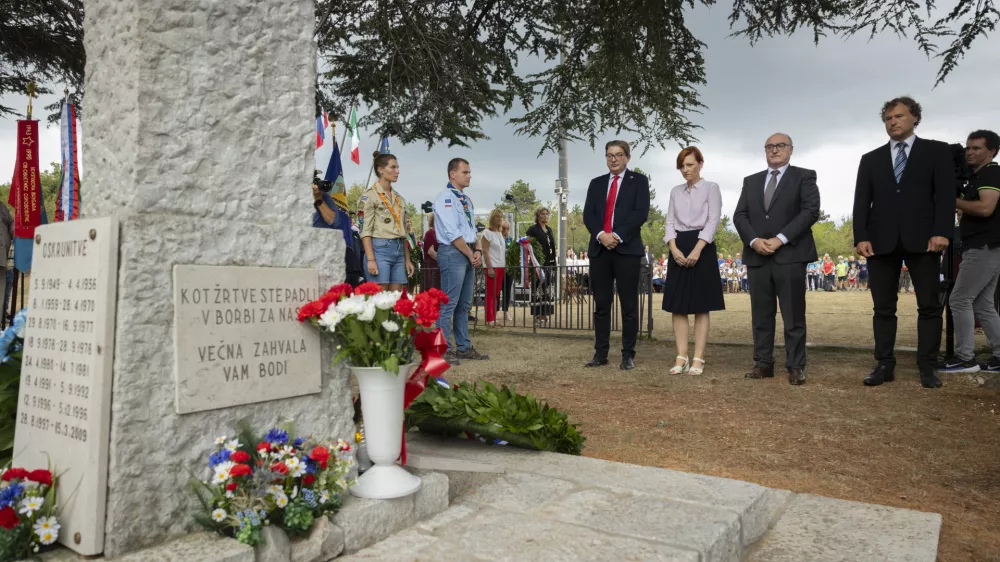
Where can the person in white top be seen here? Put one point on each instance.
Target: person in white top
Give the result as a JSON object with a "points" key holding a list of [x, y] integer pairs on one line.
{"points": [[494, 261]]}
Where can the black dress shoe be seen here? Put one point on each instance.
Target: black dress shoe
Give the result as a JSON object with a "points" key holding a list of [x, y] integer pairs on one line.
{"points": [[761, 373], [627, 364], [929, 380], [796, 376], [881, 374], [597, 362]]}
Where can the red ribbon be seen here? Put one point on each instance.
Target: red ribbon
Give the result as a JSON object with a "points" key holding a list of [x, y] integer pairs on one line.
{"points": [[431, 345]]}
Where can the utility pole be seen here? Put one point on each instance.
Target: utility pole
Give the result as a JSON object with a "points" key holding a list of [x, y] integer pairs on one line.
{"points": [[562, 191]]}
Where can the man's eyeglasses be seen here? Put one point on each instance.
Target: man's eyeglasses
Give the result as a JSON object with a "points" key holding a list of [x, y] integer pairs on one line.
{"points": [[779, 146], [615, 156]]}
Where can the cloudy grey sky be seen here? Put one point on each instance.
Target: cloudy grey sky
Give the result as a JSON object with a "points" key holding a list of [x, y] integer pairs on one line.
{"points": [[827, 98]]}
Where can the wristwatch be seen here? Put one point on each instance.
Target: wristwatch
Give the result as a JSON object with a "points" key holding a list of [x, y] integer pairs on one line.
{"points": [[317, 203]]}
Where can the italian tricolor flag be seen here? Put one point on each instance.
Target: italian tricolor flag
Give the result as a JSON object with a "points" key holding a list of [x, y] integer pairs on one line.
{"points": [[355, 141]]}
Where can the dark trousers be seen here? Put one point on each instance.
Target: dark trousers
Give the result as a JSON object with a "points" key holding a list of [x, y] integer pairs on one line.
{"points": [[608, 270], [883, 275], [773, 285]]}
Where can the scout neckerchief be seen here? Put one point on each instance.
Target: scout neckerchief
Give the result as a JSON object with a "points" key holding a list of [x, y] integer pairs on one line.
{"points": [[396, 213], [464, 201]]}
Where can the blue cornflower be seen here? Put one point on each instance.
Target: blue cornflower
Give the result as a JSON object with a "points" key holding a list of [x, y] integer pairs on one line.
{"points": [[218, 457], [279, 436], [298, 443], [10, 495], [311, 466]]}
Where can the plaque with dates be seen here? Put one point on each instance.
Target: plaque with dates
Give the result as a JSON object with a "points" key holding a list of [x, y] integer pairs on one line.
{"points": [[237, 338], [64, 402]]}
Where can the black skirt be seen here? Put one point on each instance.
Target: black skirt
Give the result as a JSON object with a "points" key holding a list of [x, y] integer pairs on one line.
{"points": [[693, 290]]}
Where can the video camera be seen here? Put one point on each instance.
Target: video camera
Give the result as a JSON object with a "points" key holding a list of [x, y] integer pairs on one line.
{"points": [[323, 185], [427, 207], [962, 169]]}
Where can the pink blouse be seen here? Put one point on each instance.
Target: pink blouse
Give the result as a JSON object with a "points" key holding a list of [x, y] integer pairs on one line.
{"points": [[698, 208]]}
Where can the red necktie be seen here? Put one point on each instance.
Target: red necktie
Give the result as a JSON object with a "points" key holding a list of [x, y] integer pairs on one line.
{"points": [[609, 206]]}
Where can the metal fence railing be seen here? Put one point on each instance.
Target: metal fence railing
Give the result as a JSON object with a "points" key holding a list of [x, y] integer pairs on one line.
{"points": [[564, 301]]}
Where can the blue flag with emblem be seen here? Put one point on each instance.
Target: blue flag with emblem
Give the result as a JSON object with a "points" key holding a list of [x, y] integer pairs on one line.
{"points": [[335, 174]]}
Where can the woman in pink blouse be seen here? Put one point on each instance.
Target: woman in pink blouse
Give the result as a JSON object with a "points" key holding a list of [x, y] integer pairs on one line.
{"points": [[693, 285]]}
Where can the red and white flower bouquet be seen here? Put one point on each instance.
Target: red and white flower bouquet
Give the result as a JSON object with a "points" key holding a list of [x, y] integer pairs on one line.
{"points": [[378, 334]]}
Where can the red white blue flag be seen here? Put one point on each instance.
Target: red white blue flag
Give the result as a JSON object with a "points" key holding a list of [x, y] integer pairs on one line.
{"points": [[68, 202], [322, 122]]}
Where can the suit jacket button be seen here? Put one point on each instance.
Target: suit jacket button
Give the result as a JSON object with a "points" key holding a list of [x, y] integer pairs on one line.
{"points": [[767, 216], [897, 191]]}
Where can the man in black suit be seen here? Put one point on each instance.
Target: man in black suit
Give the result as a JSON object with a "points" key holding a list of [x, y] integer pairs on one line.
{"points": [[904, 209], [645, 270], [617, 206], [774, 218]]}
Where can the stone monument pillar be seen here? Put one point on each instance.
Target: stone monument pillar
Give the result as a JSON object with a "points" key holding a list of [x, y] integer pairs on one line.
{"points": [[200, 142]]}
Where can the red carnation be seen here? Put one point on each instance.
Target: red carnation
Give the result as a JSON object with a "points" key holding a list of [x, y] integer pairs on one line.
{"points": [[309, 310], [240, 470], [279, 467], [231, 486], [264, 446], [239, 456], [428, 307], [320, 454], [308, 479], [404, 306], [334, 295], [43, 477], [14, 474], [368, 289], [8, 518]]}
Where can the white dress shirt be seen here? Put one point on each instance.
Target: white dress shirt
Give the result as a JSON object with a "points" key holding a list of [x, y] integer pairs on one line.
{"points": [[611, 179], [777, 180], [892, 149]]}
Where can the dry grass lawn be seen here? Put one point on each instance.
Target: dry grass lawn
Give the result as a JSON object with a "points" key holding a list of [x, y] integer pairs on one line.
{"points": [[897, 445]]}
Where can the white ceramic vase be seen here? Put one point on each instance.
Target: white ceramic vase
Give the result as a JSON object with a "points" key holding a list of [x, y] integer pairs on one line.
{"points": [[382, 408]]}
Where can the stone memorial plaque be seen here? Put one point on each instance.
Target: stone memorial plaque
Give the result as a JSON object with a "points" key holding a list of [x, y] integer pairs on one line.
{"points": [[237, 338], [64, 401]]}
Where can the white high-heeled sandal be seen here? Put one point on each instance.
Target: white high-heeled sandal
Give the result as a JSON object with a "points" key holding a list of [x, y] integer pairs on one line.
{"points": [[697, 370], [680, 369]]}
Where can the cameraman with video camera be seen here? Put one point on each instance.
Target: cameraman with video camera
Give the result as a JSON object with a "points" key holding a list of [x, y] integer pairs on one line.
{"points": [[331, 212], [972, 296]]}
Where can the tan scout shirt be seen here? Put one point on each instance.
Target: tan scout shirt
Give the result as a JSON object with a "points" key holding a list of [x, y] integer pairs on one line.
{"points": [[379, 221]]}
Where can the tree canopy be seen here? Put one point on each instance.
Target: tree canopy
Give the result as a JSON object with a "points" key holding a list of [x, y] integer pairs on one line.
{"points": [[433, 70]]}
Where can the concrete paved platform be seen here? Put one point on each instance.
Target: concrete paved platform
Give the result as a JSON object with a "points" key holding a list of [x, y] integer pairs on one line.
{"points": [[551, 507]]}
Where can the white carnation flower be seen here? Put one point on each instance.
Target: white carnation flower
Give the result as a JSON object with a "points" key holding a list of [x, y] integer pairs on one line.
{"points": [[386, 300], [368, 314], [219, 515], [390, 326], [353, 304], [330, 318]]}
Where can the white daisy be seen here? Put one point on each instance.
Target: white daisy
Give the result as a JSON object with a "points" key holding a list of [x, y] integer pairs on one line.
{"points": [[30, 505], [295, 492], [47, 536], [287, 451], [281, 500], [219, 515], [342, 445], [220, 440], [386, 300], [275, 490], [324, 496], [222, 472], [390, 326], [233, 445], [230, 494], [296, 468], [342, 484], [47, 524]]}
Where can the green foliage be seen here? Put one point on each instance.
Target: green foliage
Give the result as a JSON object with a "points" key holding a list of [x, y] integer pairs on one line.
{"points": [[298, 516], [16, 543], [495, 414], [10, 380], [513, 260]]}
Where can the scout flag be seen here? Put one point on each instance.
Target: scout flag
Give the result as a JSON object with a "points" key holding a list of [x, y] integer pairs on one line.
{"points": [[383, 146], [335, 174]]}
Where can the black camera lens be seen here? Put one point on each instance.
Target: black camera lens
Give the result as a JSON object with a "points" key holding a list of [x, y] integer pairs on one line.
{"points": [[323, 185]]}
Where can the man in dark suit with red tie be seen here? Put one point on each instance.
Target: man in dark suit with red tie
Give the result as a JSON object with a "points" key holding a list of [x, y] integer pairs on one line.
{"points": [[904, 210], [617, 206]]}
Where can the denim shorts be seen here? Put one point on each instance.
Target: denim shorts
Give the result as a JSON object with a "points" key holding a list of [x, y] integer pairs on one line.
{"points": [[390, 260]]}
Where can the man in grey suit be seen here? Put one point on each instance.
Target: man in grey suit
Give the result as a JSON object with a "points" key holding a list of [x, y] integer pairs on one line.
{"points": [[774, 218], [6, 236]]}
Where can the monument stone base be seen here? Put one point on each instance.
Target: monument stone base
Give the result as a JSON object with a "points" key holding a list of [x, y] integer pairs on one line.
{"points": [[153, 449]]}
